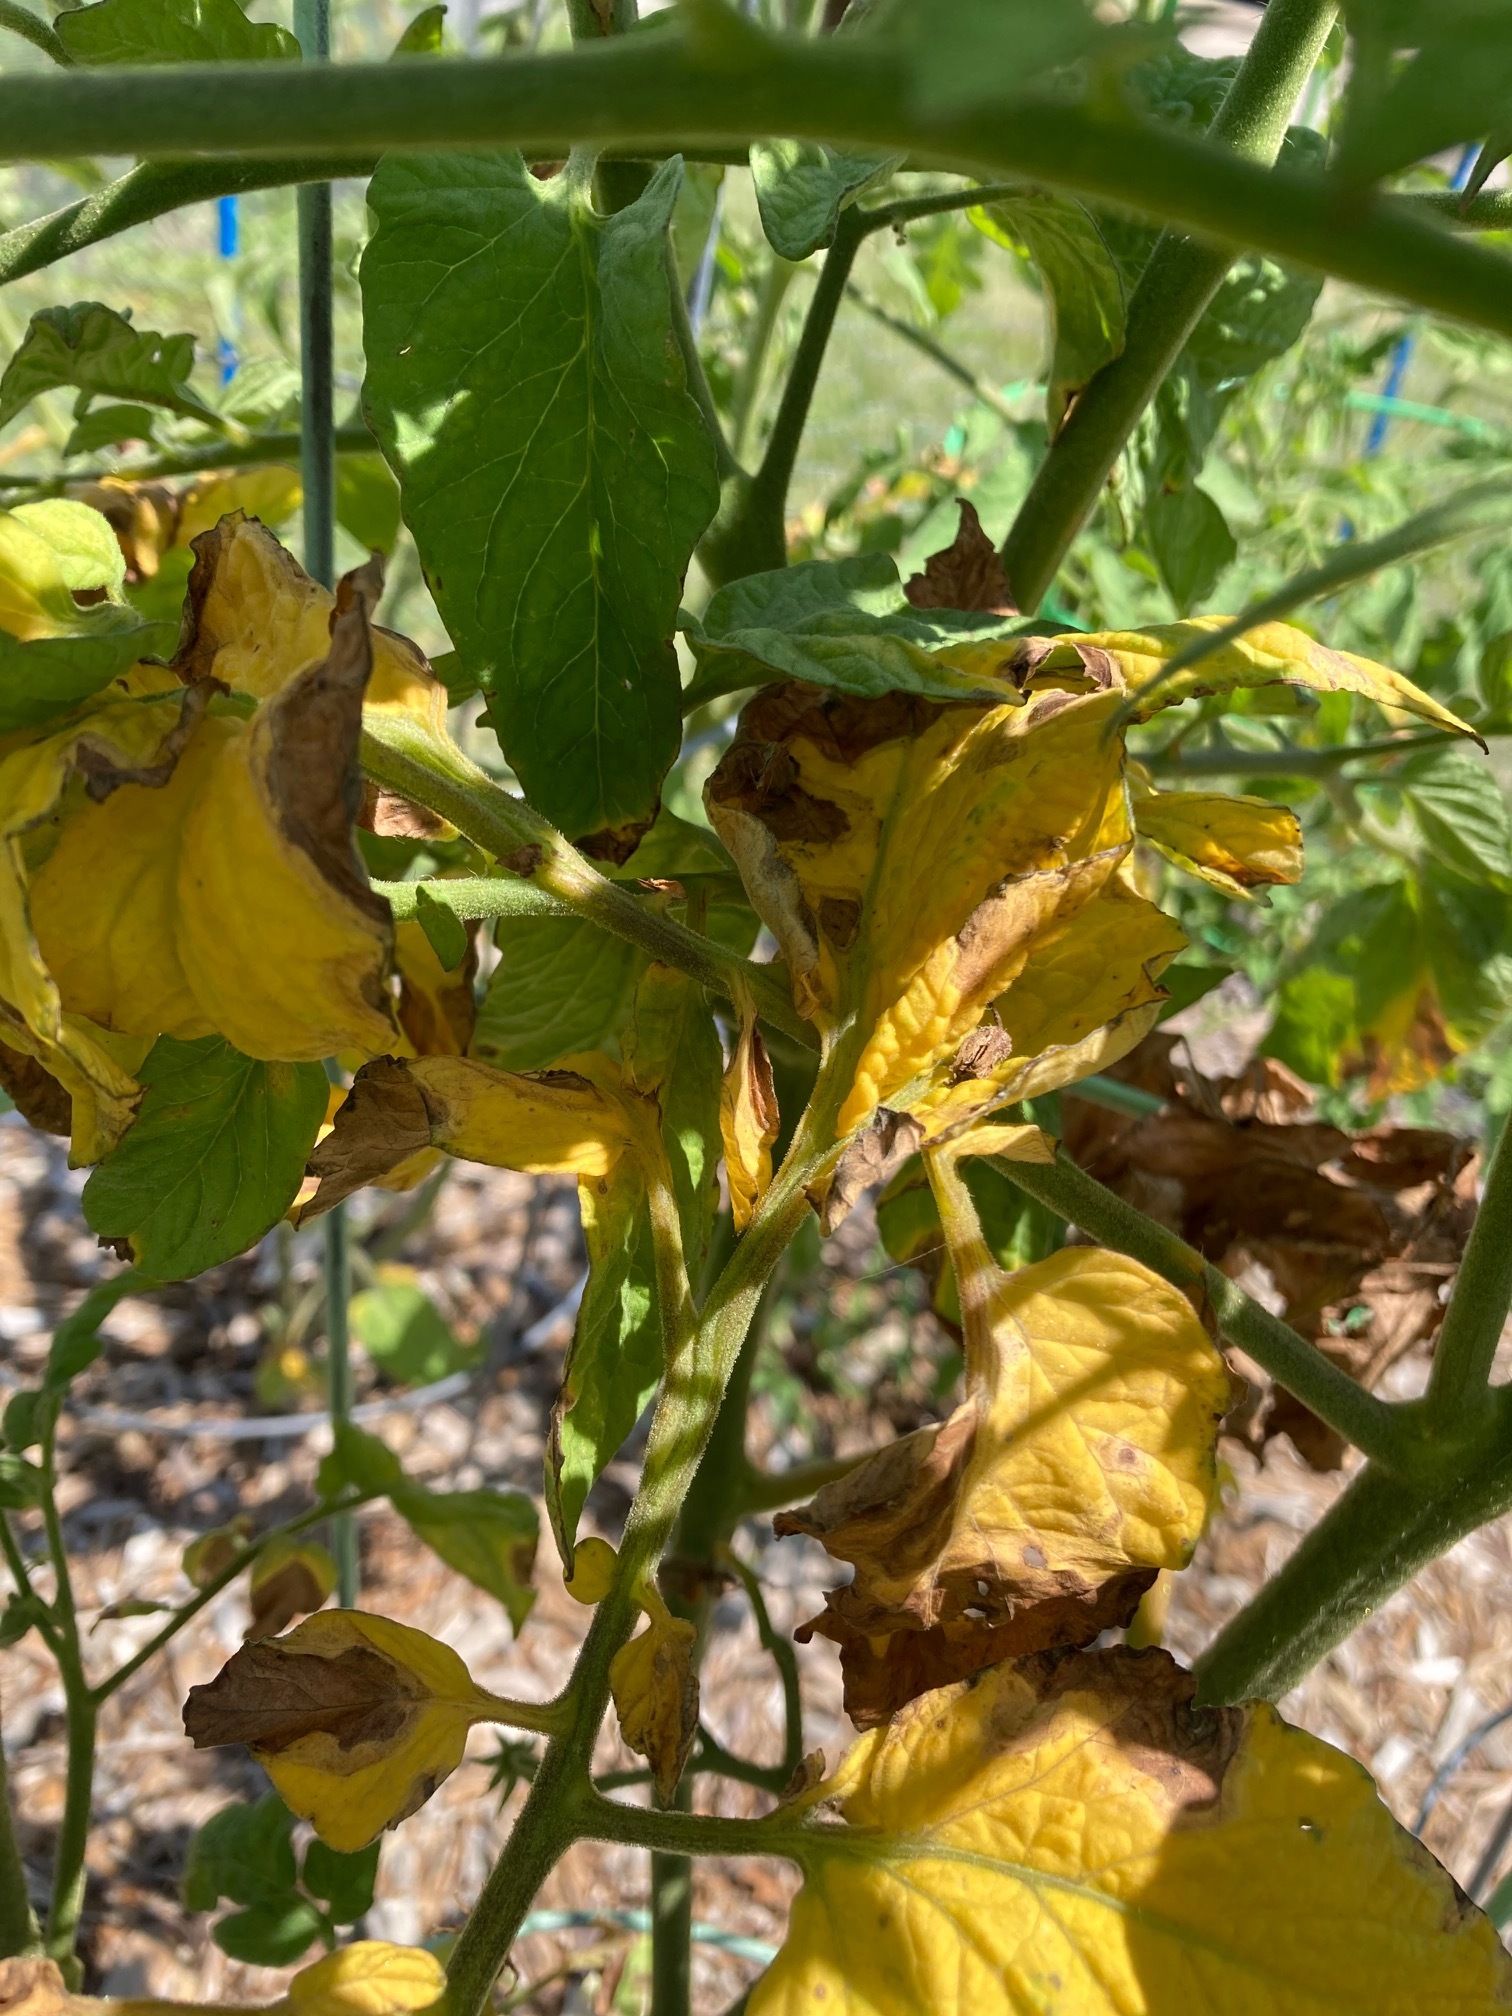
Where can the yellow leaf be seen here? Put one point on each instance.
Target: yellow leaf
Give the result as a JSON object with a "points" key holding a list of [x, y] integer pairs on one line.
{"points": [[655, 1688], [593, 1565], [1080, 1463], [254, 620], [1272, 654], [35, 599], [907, 854], [748, 1119], [356, 1719], [1072, 1834], [267, 493], [227, 894], [564, 1122], [368, 1978], [1237, 844]]}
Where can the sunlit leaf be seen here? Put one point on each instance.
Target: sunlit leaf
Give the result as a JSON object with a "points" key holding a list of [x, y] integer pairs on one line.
{"points": [[1080, 1463], [403, 1332], [525, 383], [368, 1978], [212, 1160], [1073, 1833], [801, 189], [1237, 844], [356, 1719], [95, 351], [748, 1119]]}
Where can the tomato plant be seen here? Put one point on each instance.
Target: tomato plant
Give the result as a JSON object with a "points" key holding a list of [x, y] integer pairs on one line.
{"points": [[832, 880]]}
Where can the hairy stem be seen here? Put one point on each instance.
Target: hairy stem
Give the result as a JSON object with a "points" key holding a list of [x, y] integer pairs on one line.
{"points": [[1482, 1296], [672, 1925], [1375, 1428], [443, 780], [1290, 762], [32, 28], [1181, 278]]}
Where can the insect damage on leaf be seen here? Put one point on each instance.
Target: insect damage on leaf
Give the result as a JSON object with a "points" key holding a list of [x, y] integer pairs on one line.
{"points": [[356, 1719], [1073, 1832], [1080, 1463]]}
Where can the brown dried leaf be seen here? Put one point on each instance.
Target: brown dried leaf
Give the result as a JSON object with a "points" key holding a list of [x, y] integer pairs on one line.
{"points": [[966, 574]]}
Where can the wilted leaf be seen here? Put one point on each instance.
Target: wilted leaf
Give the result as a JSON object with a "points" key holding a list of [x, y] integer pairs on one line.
{"points": [[356, 1719], [269, 494], [801, 188], [525, 384], [1073, 1833], [1083, 288], [845, 624], [748, 1119], [171, 31], [1237, 844], [213, 1158], [967, 574], [1272, 654], [655, 1687], [554, 1123], [93, 350], [290, 1578], [207, 1557], [226, 893], [1080, 1463]]}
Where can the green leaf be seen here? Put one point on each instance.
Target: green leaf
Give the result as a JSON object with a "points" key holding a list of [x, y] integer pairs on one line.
{"points": [[1364, 951], [272, 1935], [801, 188], [213, 1159], [488, 1536], [672, 1047], [367, 497], [1461, 812], [20, 1483], [1426, 73], [423, 36], [88, 553], [344, 1882], [613, 1364], [245, 1854], [525, 384], [97, 352], [21, 1425], [447, 934], [404, 1333], [76, 1342], [844, 624], [171, 31], [110, 427], [1190, 543], [559, 987], [48, 675], [1084, 289], [20, 1615], [979, 49]]}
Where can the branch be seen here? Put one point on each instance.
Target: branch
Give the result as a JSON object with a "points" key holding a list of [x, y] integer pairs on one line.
{"points": [[1482, 1296], [1375, 1428], [442, 779], [1288, 761], [41, 34], [220, 454], [633, 94], [1177, 284]]}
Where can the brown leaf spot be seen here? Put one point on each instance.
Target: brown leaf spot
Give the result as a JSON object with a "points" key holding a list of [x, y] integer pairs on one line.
{"points": [[524, 860], [981, 1053], [292, 1590], [966, 574], [382, 1122], [35, 1093], [840, 920], [883, 1145], [268, 1698]]}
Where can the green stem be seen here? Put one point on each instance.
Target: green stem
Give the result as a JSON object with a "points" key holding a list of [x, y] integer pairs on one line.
{"points": [[19, 1930], [779, 1649], [909, 209], [258, 449], [442, 779], [981, 389], [41, 34], [1289, 762], [1181, 278], [1375, 1428], [696, 1833], [338, 1298], [633, 94], [771, 1490], [73, 1831], [1482, 1296], [672, 1924], [1372, 1540], [746, 393]]}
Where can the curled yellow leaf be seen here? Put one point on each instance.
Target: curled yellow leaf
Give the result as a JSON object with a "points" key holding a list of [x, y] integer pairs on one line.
{"points": [[567, 1121], [1237, 844], [355, 1718], [748, 1119], [655, 1687], [290, 1578], [1073, 1833], [1080, 1463]]}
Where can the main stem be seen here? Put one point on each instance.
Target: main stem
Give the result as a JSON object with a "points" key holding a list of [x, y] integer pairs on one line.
{"points": [[1181, 278]]}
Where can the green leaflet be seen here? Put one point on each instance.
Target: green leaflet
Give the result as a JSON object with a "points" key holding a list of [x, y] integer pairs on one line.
{"points": [[367, 501], [1461, 812], [244, 1854], [51, 674], [98, 353], [404, 1333], [88, 553], [171, 31], [1084, 290], [559, 987], [110, 427], [425, 35], [213, 1159], [1190, 542], [839, 623], [1426, 73], [487, 1536], [525, 384], [801, 188]]}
